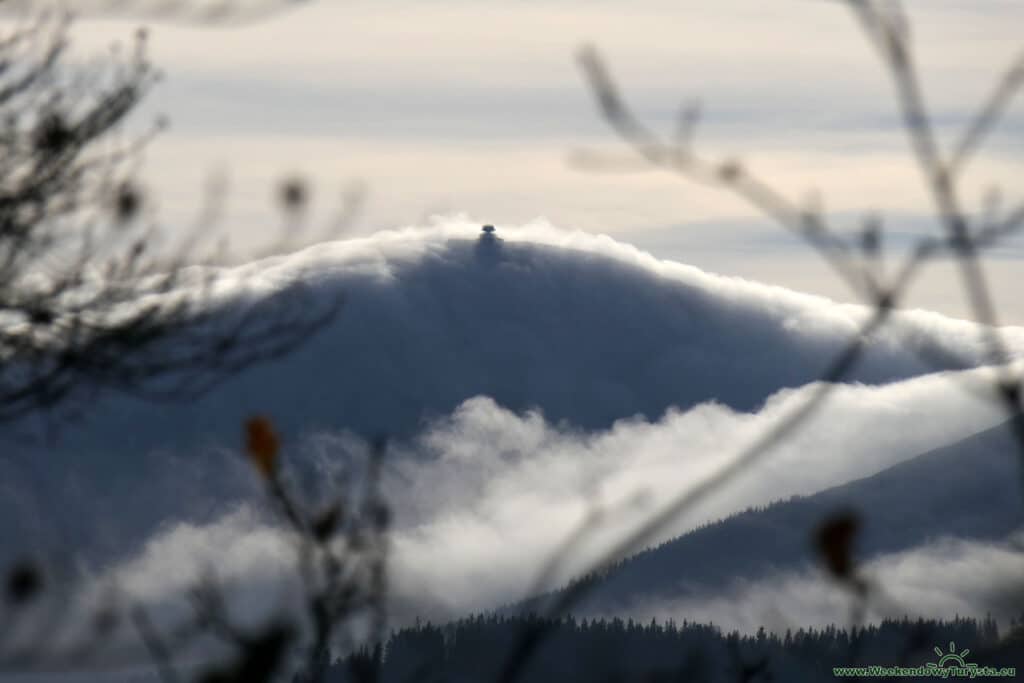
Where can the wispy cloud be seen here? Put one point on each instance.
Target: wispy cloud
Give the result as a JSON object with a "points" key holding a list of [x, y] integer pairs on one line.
{"points": [[939, 579]]}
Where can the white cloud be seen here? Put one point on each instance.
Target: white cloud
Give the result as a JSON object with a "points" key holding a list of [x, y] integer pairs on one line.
{"points": [[939, 580], [501, 493], [484, 497]]}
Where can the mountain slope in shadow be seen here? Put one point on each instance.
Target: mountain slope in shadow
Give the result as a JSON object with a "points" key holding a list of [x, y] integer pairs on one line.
{"points": [[970, 489]]}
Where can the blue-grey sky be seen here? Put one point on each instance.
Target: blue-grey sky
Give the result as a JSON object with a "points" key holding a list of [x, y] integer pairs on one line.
{"points": [[474, 107]]}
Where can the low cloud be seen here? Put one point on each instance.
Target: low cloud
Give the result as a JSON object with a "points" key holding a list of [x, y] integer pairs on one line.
{"points": [[939, 580], [484, 497]]}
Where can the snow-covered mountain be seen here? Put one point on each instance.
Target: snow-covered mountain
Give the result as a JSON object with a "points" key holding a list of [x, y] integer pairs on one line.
{"points": [[521, 377], [586, 329]]}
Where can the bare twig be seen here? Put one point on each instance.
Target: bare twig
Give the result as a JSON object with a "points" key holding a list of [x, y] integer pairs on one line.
{"points": [[888, 33]]}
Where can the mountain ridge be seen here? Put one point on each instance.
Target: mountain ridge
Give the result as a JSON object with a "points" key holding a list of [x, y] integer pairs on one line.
{"points": [[933, 495], [581, 328]]}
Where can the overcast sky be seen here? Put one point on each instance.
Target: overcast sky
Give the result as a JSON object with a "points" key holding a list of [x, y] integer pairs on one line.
{"points": [[474, 107]]}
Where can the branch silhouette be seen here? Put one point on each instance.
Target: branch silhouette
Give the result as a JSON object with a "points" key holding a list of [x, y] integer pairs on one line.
{"points": [[856, 264]]}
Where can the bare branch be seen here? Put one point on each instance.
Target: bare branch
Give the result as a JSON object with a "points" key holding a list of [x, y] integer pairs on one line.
{"points": [[988, 116]]}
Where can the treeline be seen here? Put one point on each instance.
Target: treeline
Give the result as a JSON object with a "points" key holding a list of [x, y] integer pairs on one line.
{"points": [[477, 649]]}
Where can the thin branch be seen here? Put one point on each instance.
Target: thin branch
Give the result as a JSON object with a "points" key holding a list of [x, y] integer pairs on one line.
{"points": [[988, 116]]}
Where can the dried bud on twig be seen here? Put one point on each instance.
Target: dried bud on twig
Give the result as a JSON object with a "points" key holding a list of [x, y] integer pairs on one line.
{"points": [[262, 445], [834, 542]]}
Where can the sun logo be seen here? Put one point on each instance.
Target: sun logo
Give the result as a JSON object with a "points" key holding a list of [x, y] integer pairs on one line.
{"points": [[951, 658]]}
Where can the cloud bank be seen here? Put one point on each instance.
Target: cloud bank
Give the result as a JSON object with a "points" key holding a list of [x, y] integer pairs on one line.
{"points": [[484, 497], [939, 580]]}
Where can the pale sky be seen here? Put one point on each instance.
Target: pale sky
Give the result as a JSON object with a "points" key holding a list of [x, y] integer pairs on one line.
{"points": [[469, 107]]}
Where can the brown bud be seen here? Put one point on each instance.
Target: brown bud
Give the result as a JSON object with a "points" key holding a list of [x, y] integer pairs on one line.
{"points": [[834, 542], [262, 445]]}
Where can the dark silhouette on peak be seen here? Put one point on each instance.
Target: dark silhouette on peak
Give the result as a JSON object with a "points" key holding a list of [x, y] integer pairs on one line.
{"points": [[488, 235], [487, 247]]}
